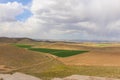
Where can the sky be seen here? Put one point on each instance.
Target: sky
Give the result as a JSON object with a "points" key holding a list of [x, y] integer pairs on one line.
{"points": [[61, 19]]}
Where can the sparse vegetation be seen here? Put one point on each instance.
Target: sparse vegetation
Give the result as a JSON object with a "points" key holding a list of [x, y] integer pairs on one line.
{"points": [[63, 71], [23, 45]]}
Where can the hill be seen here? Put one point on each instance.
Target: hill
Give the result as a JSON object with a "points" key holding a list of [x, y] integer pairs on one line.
{"points": [[14, 59], [15, 40]]}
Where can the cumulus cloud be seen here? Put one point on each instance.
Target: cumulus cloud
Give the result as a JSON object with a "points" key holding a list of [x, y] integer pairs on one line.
{"points": [[63, 19], [94, 17], [9, 11]]}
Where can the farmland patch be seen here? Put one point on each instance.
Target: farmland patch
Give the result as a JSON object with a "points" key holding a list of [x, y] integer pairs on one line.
{"points": [[56, 52]]}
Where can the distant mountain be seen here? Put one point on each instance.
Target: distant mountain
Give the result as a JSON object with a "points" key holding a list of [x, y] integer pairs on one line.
{"points": [[15, 40], [29, 40]]}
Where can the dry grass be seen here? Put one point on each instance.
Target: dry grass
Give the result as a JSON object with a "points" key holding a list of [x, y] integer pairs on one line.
{"points": [[63, 71], [96, 57], [74, 46], [16, 58]]}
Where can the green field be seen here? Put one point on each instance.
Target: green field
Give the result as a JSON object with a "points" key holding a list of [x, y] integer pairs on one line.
{"points": [[23, 46], [56, 52]]}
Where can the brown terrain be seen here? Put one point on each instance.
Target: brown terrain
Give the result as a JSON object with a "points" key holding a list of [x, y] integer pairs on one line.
{"points": [[13, 58], [101, 56], [16, 59], [98, 55], [106, 55]]}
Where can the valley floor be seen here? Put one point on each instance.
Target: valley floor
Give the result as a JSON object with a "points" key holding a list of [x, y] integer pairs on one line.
{"points": [[98, 61]]}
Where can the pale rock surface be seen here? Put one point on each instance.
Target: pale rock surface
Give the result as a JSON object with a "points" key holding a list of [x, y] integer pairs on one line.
{"points": [[81, 77], [21, 76], [17, 76]]}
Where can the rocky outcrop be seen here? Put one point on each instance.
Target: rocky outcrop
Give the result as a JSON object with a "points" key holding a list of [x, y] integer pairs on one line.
{"points": [[81, 77], [17, 76], [21, 76]]}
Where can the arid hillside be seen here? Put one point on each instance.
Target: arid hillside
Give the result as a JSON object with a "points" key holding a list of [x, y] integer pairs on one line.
{"points": [[18, 59]]}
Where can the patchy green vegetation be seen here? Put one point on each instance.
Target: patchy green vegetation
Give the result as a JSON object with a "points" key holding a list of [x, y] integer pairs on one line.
{"points": [[56, 52], [63, 71], [103, 45], [23, 46]]}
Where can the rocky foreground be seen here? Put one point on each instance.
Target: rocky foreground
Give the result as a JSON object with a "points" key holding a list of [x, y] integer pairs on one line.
{"points": [[17, 76], [21, 76], [81, 77]]}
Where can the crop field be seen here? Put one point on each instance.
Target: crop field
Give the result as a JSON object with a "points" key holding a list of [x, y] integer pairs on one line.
{"points": [[23, 46], [56, 52], [59, 53]]}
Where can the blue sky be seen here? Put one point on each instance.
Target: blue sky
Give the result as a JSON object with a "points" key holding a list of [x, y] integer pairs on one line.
{"points": [[24, 2], [26, 14]]}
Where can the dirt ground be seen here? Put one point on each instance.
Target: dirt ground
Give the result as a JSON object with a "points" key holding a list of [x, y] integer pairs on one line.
{"points": [[13, 58], [4, 68], [102, 56]]}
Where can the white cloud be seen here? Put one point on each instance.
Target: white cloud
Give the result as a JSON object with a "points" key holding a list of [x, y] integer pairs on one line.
{"points": [[97, 19], [9, 11], [9, 25]]}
